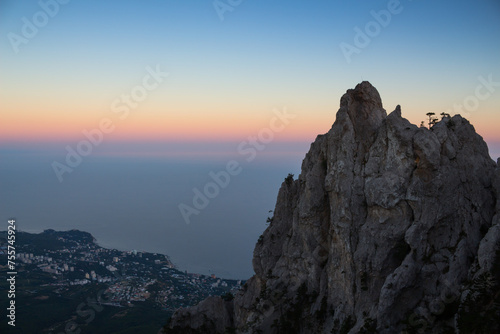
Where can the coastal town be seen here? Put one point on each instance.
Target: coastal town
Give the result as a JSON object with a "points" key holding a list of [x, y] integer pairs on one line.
{"points": [[58, 264]]}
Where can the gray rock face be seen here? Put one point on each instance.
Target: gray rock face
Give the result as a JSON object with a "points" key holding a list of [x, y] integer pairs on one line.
{"points": [[213, 315], [385, 230]]}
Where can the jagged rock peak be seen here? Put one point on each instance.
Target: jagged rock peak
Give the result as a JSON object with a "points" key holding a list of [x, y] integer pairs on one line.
{"points": [[362, 107], [389, 228], [363, 93]]}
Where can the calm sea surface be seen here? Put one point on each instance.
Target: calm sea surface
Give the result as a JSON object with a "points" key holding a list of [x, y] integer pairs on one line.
{"points": [[132, 203]]}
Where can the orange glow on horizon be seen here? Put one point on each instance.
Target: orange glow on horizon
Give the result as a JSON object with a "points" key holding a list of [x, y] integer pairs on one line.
{"points": [[55, 125], [61, 126]]}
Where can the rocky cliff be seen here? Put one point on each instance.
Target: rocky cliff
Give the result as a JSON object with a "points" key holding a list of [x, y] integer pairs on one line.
{"points": [[389, 228]]}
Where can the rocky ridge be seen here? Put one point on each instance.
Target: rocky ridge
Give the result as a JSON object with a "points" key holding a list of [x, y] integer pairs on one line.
{"points": [[389, 228]]}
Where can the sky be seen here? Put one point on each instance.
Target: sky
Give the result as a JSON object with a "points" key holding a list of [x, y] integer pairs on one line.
{"points": [[190, 83]]}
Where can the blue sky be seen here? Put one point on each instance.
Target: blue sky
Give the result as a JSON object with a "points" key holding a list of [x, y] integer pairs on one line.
{"points": [[263, 53]]}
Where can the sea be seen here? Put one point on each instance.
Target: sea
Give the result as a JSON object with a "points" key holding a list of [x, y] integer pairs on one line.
{"points": [[130, 200]]}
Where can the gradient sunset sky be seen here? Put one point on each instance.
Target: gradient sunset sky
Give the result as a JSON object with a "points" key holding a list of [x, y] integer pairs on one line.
{"points": [[226, 76]]}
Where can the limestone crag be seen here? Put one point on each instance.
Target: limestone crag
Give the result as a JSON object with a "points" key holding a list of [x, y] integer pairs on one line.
{"points": [[389, 228]]}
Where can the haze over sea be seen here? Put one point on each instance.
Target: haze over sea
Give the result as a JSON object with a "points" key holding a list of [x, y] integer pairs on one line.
{"points": [[131, 202]]}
